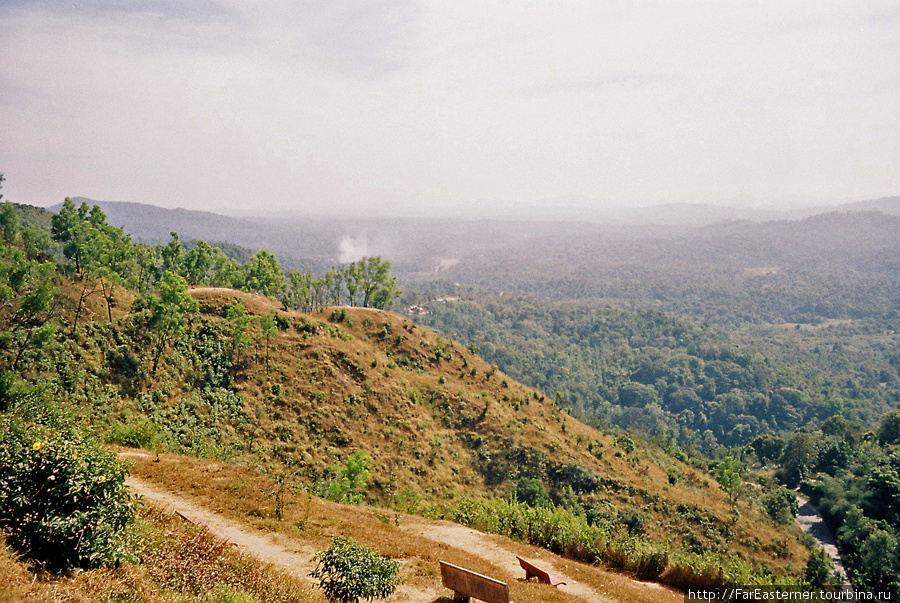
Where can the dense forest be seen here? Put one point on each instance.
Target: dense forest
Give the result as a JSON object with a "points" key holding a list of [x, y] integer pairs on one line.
{"points": [[654, 372], [851, 474]]}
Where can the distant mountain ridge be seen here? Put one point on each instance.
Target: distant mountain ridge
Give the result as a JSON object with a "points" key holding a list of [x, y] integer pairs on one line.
{"points": [[420, 246]]}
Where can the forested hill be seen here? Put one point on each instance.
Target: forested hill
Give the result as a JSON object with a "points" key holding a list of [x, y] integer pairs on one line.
{"points": [[653, 372]]}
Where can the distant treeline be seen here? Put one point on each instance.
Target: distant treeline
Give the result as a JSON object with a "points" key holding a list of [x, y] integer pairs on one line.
{"points": [[87, 245]]}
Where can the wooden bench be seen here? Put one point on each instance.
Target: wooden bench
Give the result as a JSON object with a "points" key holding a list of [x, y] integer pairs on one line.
{"points": [[532, 571], [466, 583]]}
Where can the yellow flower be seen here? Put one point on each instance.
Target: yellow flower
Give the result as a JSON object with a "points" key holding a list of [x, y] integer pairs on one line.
{"points": [[37, 445], [101, 479]]}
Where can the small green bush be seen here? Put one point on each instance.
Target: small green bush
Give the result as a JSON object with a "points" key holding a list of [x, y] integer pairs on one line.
{"points": [[137, 434], [532, 492], [348, 571], [348, 482], [781, 505], [63, 498]]}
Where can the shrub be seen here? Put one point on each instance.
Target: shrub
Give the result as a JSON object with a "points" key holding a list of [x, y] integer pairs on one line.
{"points": [[63, 499], [138, 434], [348, 571], [781, 505], [347, 482], [531, 491]]}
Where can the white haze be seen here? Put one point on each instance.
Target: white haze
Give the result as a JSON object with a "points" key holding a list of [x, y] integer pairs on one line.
{"points": [[402, 107]]}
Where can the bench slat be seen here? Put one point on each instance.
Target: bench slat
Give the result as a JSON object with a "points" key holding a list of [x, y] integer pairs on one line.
{"points": [[472, 584]]}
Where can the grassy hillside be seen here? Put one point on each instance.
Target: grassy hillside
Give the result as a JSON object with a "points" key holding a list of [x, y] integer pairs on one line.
{"points": [[439, 423]]}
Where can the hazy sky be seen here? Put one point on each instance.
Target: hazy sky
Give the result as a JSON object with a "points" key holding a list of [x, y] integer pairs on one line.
{"points": [[394, 105]]}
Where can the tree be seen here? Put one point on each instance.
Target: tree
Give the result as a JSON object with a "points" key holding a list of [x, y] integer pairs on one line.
{"points": [[269, 327], [171, 254], [27, 304], [348, 482], [226, 272], [531, 491], [728, 474], [102, 254], [889, 430], [239, 321], [370, 283], [169, 309], [299, 290], [198, 262], [70, 228], [880, 564], [28, 292], [819, 570], [800, 455], [781, 505], [9, 224], [264, 274]]}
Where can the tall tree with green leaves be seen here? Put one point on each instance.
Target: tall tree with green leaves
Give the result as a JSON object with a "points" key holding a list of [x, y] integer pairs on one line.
{"points": [[299, 291], [197, 263], [238, 321], [101, 254], [171, 254], [371, 284], [226, 272], [169, 310], [269, 327], [28, 293], [264, 274]]}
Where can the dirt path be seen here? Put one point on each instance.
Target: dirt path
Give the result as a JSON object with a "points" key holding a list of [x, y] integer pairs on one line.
{"points": [[282, 551], [295, 556], [812, 523], [481, 545]]}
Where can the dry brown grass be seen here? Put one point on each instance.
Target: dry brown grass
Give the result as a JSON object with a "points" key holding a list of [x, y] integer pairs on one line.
{"points": [[235, 493], [378, 382], [424, 408], [178, 563]]}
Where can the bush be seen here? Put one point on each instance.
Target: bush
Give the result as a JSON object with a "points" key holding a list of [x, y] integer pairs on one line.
{"points": [[347, 482], [348, 571], [63, 498], [531, 491], [781, 505]]}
